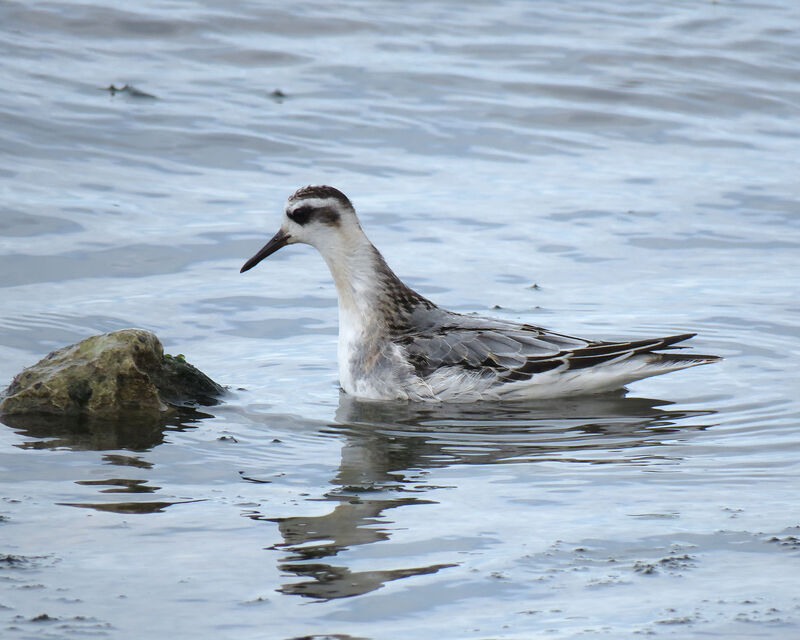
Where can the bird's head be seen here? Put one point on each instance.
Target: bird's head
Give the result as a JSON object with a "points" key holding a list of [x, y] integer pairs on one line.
{"points": [[318, 215]]}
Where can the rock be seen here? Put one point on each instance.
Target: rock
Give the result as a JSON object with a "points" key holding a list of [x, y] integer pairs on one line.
{"points": [[113, 375]]}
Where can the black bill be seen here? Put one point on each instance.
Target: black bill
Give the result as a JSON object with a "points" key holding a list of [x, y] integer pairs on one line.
{"points": [[279, 240]]}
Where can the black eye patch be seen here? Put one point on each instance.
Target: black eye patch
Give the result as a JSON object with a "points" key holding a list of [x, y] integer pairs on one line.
{"points": [[302, 215]]}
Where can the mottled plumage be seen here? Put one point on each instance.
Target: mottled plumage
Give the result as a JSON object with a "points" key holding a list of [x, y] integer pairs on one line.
{"points": [[396, 344]]}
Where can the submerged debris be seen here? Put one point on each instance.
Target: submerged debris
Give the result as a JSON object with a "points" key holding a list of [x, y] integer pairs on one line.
{"points": [[132, 91]]}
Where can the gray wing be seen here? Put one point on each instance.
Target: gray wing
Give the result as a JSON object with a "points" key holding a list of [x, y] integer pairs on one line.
{"points": [[510, 351]]}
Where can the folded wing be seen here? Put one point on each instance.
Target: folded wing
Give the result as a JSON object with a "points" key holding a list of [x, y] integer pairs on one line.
{"points": [[511, 352]]}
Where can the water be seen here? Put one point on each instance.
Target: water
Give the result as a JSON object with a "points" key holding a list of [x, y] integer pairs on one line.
{"points": [[638, 163]]}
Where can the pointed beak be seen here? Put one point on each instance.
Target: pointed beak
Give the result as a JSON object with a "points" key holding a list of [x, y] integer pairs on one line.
{"points": [[280, 239]]}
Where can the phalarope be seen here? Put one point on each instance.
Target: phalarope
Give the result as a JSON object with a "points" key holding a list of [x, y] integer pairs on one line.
{"points": [[396, 344]]}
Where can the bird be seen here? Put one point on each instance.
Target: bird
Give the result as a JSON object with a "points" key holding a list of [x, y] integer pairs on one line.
{"points": [[395, 344]]}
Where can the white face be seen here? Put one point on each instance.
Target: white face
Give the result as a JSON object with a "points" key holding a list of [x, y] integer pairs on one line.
{"points": [[312, 220], [320, 216]]}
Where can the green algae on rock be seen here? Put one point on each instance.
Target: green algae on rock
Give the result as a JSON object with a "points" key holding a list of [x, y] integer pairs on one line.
{"points": [[109, 375]]}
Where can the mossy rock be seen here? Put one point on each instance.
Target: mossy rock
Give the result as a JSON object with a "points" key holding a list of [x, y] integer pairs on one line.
{"points": [[106, 376]]}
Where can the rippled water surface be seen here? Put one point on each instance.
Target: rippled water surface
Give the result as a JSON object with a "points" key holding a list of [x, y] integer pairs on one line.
{"points": [[638, 162]]}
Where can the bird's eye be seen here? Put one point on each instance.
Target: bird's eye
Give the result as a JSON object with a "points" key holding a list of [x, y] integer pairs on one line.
{"points": [[301, 215], [322, 214]]}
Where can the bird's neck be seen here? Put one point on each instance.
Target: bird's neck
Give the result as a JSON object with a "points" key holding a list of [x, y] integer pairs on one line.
{"points": [[371, 296], [355, 267], [374, 307]]}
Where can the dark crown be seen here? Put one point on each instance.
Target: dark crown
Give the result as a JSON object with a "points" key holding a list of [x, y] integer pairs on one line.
{"points": [[320, 191]]}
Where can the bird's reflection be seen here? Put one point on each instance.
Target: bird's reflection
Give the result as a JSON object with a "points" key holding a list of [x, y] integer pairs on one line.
{"points": [[386, 446], [339, 582], [384, 439]]}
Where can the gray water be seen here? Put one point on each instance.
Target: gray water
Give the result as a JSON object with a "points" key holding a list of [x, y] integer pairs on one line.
{"points": [[636, 161]]}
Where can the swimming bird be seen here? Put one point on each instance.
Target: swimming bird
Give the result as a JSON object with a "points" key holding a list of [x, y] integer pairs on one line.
{"points": [[395, 344]]}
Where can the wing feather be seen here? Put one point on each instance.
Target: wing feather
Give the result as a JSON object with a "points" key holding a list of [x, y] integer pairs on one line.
{"points": [[512, 352]]}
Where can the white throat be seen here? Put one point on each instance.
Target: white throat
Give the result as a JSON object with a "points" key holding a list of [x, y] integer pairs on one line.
{"points": [[353, 263]]}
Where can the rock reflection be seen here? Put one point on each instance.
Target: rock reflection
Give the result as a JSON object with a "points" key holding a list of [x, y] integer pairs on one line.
{"points": [[127, 461], [129, 508], [388, 446], [133, 433], [120, 485]]}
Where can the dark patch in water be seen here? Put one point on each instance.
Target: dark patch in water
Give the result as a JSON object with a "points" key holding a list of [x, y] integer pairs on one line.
{"points": [[130, 90]]}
